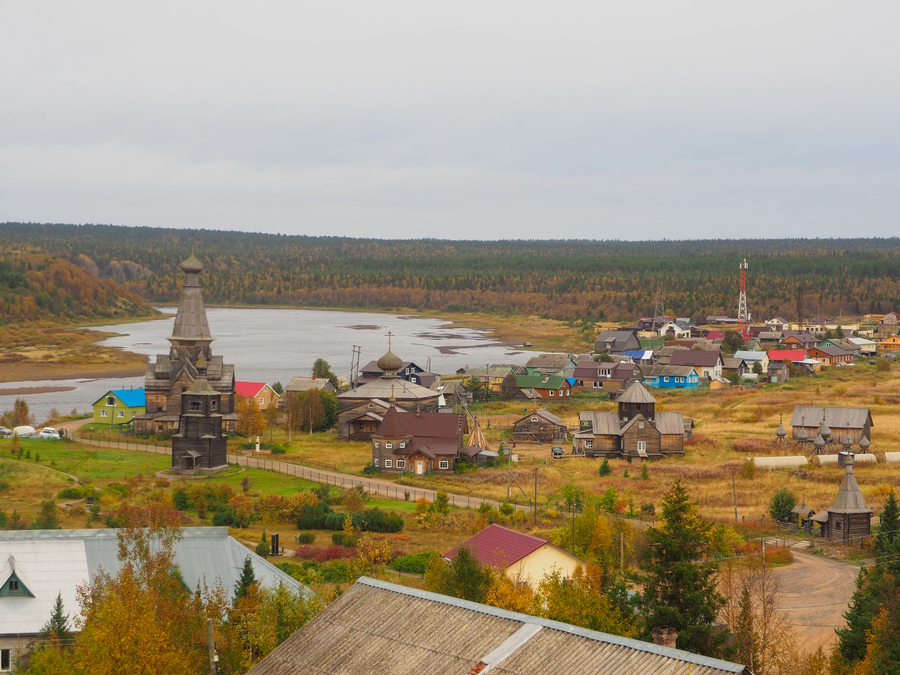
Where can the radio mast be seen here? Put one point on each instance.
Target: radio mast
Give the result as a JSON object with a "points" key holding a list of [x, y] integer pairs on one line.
{"points": [[743, 316]]}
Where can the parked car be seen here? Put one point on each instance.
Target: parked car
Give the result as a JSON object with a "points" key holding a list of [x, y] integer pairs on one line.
{"points": [[5, 433], [49, 433], [24, 431], [556, 452]]}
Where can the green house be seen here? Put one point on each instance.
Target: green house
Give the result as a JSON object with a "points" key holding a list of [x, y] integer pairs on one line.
{"points": [[119, 406]]}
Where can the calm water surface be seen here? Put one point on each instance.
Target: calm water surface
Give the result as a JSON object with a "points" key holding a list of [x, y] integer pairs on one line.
{"points": [[274, 345]]}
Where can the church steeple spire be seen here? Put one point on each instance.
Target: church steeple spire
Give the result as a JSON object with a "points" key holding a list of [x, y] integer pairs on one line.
{"points": [[190, 321]]}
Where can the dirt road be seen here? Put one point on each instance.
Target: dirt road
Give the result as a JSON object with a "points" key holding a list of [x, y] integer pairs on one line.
{"points": [[815, 592]]}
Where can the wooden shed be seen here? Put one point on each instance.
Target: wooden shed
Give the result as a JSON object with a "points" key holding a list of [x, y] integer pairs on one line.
{"points": [[539, 426]]}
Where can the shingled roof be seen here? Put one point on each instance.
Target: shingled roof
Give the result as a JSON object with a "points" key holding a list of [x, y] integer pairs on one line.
{"points": [[379, 627], [636, 393]]}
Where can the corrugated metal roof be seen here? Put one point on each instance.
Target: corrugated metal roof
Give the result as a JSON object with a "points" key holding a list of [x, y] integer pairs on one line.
{"points": [[379, 627], [835, 417], [499, 546], [58, 561]]}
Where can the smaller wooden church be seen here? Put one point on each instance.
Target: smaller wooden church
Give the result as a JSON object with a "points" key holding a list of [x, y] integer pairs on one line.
{"points": [[848, 519], [200, 444]]}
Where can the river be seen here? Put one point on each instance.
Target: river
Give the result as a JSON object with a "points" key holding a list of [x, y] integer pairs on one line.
{"points": [[274, 345]]}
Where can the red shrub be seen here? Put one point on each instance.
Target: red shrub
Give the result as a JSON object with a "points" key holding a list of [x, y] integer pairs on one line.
{"points": [[324, 553]]}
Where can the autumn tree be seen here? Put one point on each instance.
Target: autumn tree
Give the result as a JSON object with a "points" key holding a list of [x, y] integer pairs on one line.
{"points": [[584, 600], [509, 386], [312, 412], [680, 580], [293, 416], [19, 416], [250, 421]]}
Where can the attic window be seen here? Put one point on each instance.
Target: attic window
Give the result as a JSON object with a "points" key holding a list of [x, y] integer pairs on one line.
{"points": [[534, 419], [641, 424], [371, 405], [110, 400], [388, 445]]}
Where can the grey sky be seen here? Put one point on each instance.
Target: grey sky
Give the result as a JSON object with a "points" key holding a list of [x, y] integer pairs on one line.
{"points": [[479, 120]]}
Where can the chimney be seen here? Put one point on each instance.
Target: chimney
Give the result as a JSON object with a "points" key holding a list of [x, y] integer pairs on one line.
{"points": [[665, 637]]}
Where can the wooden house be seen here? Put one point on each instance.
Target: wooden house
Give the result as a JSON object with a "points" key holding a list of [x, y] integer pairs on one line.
{"points": [[539, 426], [608, 377], [636, 429], [372, 371], [751, 357], [778, 372], [890, 344], [671, 377], [707, 363], [391, 387], [550, 364], [419, 442], [119, 406], [848, 520], [543, 387], [830, 356], [616, 342], [521, 557], [798, 340], [735, 365], [360, 422], [301, 385], [262, 393]]}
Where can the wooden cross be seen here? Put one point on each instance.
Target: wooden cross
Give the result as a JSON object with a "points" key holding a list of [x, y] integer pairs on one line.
{"points": [[389, 336]]}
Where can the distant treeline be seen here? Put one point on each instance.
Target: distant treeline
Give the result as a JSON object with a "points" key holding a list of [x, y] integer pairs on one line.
{"points": [[571, 279], [46, 289]]}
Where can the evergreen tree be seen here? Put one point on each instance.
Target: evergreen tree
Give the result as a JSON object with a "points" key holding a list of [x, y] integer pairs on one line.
{"points": [[247, 579], [746, 640], [57, 628], [781, 504], [48, 516], [888, 528], [680, 584], [463, 578], [605, 468]]}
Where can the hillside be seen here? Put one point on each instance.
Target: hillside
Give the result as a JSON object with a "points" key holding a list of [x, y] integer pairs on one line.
{"points": [[567, 280]]}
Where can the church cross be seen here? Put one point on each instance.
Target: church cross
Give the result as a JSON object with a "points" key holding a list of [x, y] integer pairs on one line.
{"points": [[389, 336]]}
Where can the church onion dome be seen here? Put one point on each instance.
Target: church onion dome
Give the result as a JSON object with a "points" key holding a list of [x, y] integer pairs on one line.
{"points": [[802, 435], [864, 442], [819, 442], [847, 442], [824, 431], [390, 363], [192, 264], [781, 432]]}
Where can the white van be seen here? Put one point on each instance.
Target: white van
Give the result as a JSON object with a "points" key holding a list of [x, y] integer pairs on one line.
{"points": [[24, 432]]}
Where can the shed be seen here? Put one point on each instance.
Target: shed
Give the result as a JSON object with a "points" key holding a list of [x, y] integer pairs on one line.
{"points": [[539, 426]]}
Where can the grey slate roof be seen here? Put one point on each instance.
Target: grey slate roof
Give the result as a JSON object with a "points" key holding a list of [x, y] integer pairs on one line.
{"points": [[379, 627]]}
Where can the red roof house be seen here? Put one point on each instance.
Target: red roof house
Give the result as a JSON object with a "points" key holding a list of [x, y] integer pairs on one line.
{"points": [[265, 396], [522, 557], [792, 355]]}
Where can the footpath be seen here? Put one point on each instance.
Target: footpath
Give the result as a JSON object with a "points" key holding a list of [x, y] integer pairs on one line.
{"points": [[376, 487]]}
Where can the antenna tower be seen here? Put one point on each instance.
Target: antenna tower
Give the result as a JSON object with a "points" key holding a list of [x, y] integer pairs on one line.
{"points": [[660, 309], [743, 317]]}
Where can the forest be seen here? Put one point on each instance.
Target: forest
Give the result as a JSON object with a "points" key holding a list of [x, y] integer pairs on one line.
{"points": [[612, 280]]}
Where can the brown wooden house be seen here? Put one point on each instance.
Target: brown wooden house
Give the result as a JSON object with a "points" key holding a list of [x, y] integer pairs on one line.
{"points": [[539, 426], [848, 520], [813, 420], [636, 430], [419, 442], [830, 356], [360, 422]]}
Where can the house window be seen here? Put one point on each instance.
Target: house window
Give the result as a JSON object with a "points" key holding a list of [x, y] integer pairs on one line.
{"points": [[589, 445], [642, 445], [388, 463], [5, 659], [377, 445], [13, 585], [120, 413], [262, 401], [401, 463], [641, 424], [666, 378], [402, 444], [266, 388], [213, 404], [376, 461], [110, 400], [534, 419], [388, 445], [444, 464], [103, 413], [551, 392], [195, 405]]}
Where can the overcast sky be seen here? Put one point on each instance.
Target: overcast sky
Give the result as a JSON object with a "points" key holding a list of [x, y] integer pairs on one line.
{"points": [[475, 120]]}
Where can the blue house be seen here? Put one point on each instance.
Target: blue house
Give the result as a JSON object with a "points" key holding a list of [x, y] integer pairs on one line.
{"points": [[671, 377]]}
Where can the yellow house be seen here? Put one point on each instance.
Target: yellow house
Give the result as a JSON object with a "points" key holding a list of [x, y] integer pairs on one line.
{"points": [[523, 558], [891, 344]]}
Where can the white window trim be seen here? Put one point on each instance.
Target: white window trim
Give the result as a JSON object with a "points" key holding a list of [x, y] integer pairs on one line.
{"points": [[388, 463], [120, 413], [388, 445], [376, 461], [589, 444], [103, 413], [110, 400], [402, 444], [444, 464], [262, 401], [551, 392], [642, 445], [401, 463]]}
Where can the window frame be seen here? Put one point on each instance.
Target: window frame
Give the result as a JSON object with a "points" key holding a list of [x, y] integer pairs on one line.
{"points": [[388, 446], [388, 463], [588, 444], [401, 463], [642, 445], [120, 413], [444, 464], [111, 400]]}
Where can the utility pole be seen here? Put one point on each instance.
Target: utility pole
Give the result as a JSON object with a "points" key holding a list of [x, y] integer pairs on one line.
{"points": [[734, 492], [211, 647], [622, 551], [534, 510]]}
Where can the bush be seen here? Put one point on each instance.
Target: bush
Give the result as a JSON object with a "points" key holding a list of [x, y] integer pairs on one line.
{"points": [[882, 365], [306, 538], [370, 470], [507, 509], [70, 493], [180, 499], [648, 509], [224, 516], [414, 563], [276, 449], [324, 554], [337, 538], [262, 548]]}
